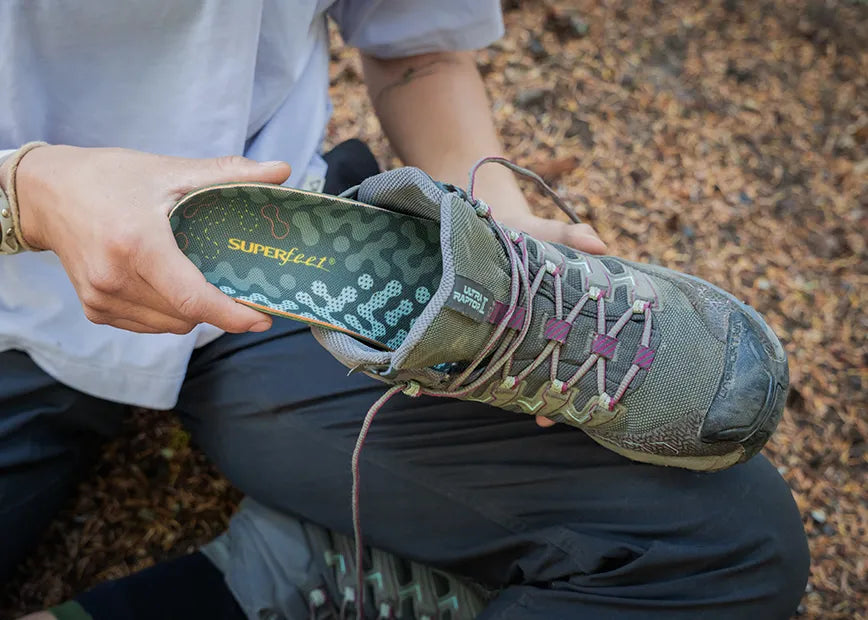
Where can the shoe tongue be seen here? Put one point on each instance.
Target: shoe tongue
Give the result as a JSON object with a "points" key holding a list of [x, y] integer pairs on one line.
{"points": [[405, 190], [454, 325]]}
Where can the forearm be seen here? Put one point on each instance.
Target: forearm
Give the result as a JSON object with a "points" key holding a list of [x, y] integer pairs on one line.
{"points": [[437, 116]]}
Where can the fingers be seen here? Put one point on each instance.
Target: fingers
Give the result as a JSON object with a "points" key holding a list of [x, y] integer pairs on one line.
{"points": [[127, 302], [146, 312], [544, 422], [133, 326], [118, 248], [135, 316], [201, 172], [583, 237], [579, 236], [176, 279]]}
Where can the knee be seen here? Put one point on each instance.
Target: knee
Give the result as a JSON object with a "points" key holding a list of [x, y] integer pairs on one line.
{"points": [[769, 548]]}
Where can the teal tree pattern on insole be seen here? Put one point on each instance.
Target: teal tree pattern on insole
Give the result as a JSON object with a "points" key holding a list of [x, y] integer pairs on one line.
{"points": [[316, 257]]}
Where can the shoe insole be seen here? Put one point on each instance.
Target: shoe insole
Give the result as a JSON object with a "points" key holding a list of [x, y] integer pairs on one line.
{"points": [[319, 259]]}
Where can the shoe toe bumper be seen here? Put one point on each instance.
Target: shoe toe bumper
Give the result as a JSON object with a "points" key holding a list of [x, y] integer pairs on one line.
{"points": [[752, 391]]}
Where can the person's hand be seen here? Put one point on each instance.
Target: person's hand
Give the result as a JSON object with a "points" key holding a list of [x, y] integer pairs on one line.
{"points": [[579, 236], [104, 213]]}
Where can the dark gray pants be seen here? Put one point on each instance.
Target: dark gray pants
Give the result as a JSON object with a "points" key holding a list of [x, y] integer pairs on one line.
{"points": [[568, 529]]}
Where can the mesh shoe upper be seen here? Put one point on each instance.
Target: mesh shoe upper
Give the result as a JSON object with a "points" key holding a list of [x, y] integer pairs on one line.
{"points": [[657, 365]]}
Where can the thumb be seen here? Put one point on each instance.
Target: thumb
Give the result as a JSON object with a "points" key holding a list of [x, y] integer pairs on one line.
{"points": [[233, 168]]}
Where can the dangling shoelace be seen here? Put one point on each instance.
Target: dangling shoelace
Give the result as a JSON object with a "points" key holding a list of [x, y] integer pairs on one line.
{"points": [[504, 342]]}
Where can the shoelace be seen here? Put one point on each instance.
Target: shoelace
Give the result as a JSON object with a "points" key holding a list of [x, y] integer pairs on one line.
{"points": [[502, 344]]}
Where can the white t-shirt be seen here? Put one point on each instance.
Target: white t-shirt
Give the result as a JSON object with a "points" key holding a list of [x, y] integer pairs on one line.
{"points": [[194, 78]]}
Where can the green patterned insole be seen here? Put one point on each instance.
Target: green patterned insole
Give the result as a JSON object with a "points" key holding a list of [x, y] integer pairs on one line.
{"points": [[315, 258]]}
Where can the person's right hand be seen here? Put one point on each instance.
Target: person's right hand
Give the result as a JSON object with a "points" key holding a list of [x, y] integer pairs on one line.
{"points": [[104, 212]]}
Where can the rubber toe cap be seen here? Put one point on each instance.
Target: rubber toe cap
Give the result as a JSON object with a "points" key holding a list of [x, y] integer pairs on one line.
{"points": [[750, 399]]}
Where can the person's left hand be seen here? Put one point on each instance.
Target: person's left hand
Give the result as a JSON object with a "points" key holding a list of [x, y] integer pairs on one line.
{"points": [[582, 237]]}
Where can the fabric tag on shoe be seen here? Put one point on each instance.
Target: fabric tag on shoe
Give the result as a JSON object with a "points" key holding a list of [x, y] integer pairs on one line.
{"points": [[471, 299]]}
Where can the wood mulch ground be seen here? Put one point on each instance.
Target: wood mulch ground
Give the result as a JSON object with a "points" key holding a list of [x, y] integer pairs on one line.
{"points": [[723, 138]]}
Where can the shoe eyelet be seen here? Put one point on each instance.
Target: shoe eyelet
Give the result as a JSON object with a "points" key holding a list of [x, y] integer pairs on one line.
{"points": [[481, 207], [640, 305], [412, 389]]}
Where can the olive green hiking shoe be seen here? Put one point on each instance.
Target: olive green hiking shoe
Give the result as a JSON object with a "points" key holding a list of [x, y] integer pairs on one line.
{"points": [[414, 283]]}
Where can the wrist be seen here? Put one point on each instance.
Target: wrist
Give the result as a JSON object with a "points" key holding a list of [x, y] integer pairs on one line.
{"points": [[4, 167], [12, 240], [17, 182], [502, 193]]}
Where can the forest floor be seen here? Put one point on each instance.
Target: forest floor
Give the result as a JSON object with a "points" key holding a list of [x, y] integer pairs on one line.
{"points": [[726, 139]]}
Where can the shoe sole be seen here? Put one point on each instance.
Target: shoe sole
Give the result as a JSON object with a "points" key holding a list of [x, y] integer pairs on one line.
{"points": [[695, 463], [318, 259]]}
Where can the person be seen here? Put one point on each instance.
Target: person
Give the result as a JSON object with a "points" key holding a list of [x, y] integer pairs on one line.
{"points": [[142, 102]]}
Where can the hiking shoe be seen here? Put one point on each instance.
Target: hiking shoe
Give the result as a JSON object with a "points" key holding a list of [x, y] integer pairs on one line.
{"points": [[393, 587], [278, 566], [414, 283]]}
